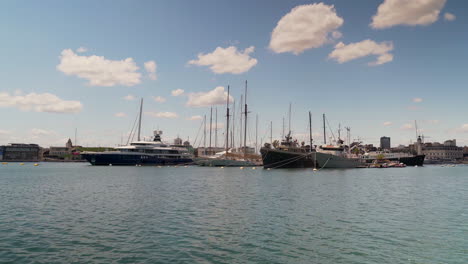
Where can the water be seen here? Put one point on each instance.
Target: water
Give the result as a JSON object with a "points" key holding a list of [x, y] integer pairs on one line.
{"points": [[76, 213]]}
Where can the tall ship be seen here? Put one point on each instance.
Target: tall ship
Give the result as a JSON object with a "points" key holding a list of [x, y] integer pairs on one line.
{"points": [[141, 152]]}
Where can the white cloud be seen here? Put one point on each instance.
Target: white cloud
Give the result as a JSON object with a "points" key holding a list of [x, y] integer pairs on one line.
{"points": [[162, 114], [45, 102], [81, 49], [195, 117], [417, 100], [305, 27], [463, 128], [150, 67], [159, 99], [98, 70], [343, 53], [37, 132], [388, 123], [129, 97], [177, 92], [120, 114], [227, 60], [404, 12], [449, 16], [217, 96], [5, 132]]}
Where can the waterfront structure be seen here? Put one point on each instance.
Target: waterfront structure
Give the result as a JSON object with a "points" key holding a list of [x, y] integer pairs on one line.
{"points": [[19, 152], [66, 152], [436, 151], [385, 143]]}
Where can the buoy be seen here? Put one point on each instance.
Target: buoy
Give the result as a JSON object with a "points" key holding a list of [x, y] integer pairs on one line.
{"points": [[21, 163], [415, 166], [222, 167], [35, 164], [110, 164], [268, 169], [253, 168], [241, 168], [185, 166], [4, 163], [314, 169]]}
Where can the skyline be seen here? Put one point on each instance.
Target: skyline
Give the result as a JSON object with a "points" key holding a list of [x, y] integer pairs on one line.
{"points": [[84, 65]]}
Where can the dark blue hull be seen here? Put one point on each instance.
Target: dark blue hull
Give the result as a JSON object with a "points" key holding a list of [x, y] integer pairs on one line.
{"points": [[132, 160]]}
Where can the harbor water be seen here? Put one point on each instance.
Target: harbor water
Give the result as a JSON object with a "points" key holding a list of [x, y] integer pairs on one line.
{"points": [[77, 213]]}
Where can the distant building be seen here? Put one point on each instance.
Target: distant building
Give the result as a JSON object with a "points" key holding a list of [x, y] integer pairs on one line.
{"points": [[446, 151], [19, 152], [68, 152], [385, 143]]}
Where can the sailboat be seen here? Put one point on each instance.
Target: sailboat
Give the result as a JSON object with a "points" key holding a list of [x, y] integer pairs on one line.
{"points": [[228, 158]]}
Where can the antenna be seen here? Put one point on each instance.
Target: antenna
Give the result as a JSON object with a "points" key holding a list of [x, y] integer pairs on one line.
{"points": [[139, 119]]}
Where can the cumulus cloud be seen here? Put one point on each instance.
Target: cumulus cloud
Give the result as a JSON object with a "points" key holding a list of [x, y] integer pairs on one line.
{"points": [[217, 96], [98, 70], [305, 27], [346, 52], [45, 102], [403, 12], [162, 114], [150, 67], [417, 100], [81, 49], [129, 97], [227, 60], [449, 16], [195, 117], [159, 99], [177, 92], [120, 114], [388, 123]]}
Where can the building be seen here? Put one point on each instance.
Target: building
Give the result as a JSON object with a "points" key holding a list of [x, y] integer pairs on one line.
{"points": [[68, 152], [447, 151], [385, 143], [19, 152]]}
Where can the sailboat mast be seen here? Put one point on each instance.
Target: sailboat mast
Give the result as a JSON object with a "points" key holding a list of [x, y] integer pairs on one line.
{"points": [[245, 120], [271, 132], [310, 130], [227, 122], [324, 132], [139, 119], [211, 125], [233, 139], [204, 135], [290, 118], [216, 127], [240, 130]]}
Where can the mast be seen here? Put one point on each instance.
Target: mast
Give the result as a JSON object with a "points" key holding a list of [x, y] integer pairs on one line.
{"points": [[324, 132], [289, 118], [282, 135], [227, 122], [271, 132], [240, 130], [245, 120], [416, 127], [204, 134], [211, 125], [216, 127], [310, 130], [233, 125], [139, 119]]}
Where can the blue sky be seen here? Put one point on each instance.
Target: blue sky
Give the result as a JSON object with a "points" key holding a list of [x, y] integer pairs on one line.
{"points": [[424, 80]]}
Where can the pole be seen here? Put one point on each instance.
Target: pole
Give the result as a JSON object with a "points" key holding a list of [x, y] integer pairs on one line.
{"points": [[216, 127], [245, 121], [289, 117], [271, 132], [324, 132], [139, 119], [233, 124], [211, 125], [227, 123], [310, 130], [204, 135], [240, 134], [282, 135]]}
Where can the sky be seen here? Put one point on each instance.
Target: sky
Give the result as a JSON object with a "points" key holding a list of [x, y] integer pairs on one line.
{"points": [[375, 66]]}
